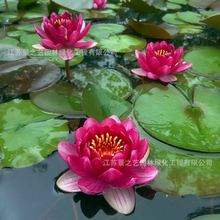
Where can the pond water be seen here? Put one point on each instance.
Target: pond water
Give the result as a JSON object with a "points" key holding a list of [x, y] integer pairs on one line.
{"points": [[29, 193], [33, 85]]}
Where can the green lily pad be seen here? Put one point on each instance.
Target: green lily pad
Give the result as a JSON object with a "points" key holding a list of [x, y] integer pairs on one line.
{"points": [[24, 76], [184, 172], [173, 6], [100, 103], [8, 17], [208, 217], [29, 39], [109, 79], [74, 5], [123, 43], [189, 29], [27, 135], [172, 18], [11, 53], [181, 2], [165, 114], [15, 33], [99, 14], [61, 98], [25, 27], [205, 61], [9, 41], [190, 17], [104, 30]]}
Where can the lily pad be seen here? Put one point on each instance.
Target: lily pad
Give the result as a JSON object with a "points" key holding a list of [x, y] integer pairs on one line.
{"points": [[184, 172], [27, 135], [61, 98], [171, 119], [28, 75], [201, 4], [98, 14], [109, 79], [11, 53], [150, 30], [74, 5], [104, 30], [9, 41], [25, 27], [213, 21], [190, 17], [123, 43], [205, 61], [208, 217], [100, 103]]}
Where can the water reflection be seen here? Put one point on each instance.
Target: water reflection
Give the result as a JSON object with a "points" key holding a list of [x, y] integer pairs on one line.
{"points": [[29, 194]]}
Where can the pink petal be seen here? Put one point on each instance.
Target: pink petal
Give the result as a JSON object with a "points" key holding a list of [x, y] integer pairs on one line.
{"points": [[90, 185], [48, 44], [152, 75], [68, 182], [145, 174], [142, 61], [116, 118], [163, 70], [168, 78], [66, 54], [128, 124], [122, 200], [139, 72], [182, 67], [89, 123], [111, 175], [40, 32], [85, 44], [66, 148]]}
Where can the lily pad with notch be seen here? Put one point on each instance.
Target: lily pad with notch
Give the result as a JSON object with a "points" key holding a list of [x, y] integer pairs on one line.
{"points": [[24, 76], [27, 135]]}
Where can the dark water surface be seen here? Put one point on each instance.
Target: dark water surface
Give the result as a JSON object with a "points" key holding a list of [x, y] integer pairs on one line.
{"points": [[29, 194]]}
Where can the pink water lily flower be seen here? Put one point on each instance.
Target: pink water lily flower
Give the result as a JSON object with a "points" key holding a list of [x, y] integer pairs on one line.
{"points": [[99, 4], [63, 33], [108, 158], [161, 61]]}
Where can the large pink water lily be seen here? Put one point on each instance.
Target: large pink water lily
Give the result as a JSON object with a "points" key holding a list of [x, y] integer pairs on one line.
{"points": [[99, 4], [161, 61], [109, 158], [63, 33]]}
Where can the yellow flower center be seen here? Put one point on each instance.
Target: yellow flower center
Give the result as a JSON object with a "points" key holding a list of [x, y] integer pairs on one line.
{"points": [[106, 144], [161, 53], [60, 21]]}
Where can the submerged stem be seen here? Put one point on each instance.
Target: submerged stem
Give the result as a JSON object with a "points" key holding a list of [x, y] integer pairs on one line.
{"points": [[6, 5], [67, 68]]}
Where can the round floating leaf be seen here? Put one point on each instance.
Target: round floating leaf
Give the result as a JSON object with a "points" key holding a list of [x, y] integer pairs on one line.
{"points": [[167, 115], [205, 61], [201, 4], [24, 76], [27, 135], [74, 5], [123, 43], [150, 30], [9, 41], [190, 17], [183, 172], [104, 30], [11, 53], [208, 217], [173, 6], [172, 18], [109, 79], [213, 21], [15, 33], [99, 14], [25, 27], [189, 29], [29, 39], [100, 103], [61, 98], [181, 2]]}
